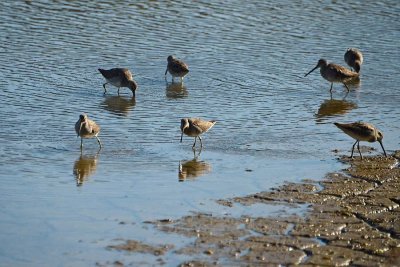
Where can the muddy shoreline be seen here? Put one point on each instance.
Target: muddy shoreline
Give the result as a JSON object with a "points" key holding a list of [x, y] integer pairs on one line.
{"points": [[353, 219]]}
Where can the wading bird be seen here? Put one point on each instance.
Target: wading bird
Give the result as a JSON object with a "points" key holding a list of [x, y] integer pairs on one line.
{"points": [[119, 77], [361, 131], [195, 127], [334, 73], [176, 67], [354, 58], [86, 128]]}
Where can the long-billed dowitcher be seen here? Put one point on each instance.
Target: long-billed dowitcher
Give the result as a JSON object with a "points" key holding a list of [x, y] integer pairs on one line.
{"points": [[195, 127], [334, 73], [86, 128], [361, 131], [176, 67], [354, 58], [119, 77]]}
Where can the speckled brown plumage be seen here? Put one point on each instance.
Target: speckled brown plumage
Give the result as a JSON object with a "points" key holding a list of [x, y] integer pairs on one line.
{"points": [[354, 58], [176, 67], [361, 131], [334, 73], [86, 128], [195, 127], [119, 77]]}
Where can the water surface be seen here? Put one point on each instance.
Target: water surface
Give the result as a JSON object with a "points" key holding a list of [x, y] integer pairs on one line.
{"points": [[247, 61]]}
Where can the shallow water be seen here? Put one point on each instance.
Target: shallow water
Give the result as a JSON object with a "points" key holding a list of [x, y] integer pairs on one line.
{"points": [[247, 64]]}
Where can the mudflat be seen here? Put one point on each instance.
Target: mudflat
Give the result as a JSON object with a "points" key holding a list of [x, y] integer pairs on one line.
{"points": [[353, 218]]}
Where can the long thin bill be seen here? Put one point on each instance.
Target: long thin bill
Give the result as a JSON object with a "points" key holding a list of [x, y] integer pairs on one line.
{"points": [[311, 71], [380, 142], [80, 128]]}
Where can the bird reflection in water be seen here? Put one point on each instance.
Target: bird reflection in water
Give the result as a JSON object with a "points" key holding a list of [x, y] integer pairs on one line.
{"points": [[332, 108], [176, 90], [118, 105], [190, 169], [84, 167]]}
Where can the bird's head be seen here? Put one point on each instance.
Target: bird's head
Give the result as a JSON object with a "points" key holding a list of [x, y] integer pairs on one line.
{"points": [[357, 66], [170, 58], [184, 125], [133, 86], [83, 117], [379, 136], [322, 62]]}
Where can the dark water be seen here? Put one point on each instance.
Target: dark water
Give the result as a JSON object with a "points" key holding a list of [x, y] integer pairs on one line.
{"points": [[247, 61]]}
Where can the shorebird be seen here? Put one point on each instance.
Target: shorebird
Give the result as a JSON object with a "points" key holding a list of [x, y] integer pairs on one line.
{"points": [[119, 77], [334, 73], [361, 131], [354, 58], [86, 128], [176, 67], [195, 127]]}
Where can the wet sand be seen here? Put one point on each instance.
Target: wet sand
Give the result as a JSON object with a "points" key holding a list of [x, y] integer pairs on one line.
{"points": [[353, 218]]}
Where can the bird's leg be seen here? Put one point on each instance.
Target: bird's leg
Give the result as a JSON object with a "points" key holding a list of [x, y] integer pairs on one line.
{"points": [[81, 143], [104, 86], [194, 144], [346, 95], [98, 140], [198, 155], [118, 90], [331, 88], [201, 143], [358, 147], [352, 150], [348, 90]]}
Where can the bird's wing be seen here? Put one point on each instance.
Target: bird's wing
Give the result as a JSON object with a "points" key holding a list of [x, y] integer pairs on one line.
{"points": [[204, 125], [178, 66], [108, 74], [342, 71], [364, 127], [127, 74], [93, 127], [197, 124]]}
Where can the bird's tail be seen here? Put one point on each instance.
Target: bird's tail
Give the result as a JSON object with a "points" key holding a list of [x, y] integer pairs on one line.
{"points": [[342, 126], [102, 71]]}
